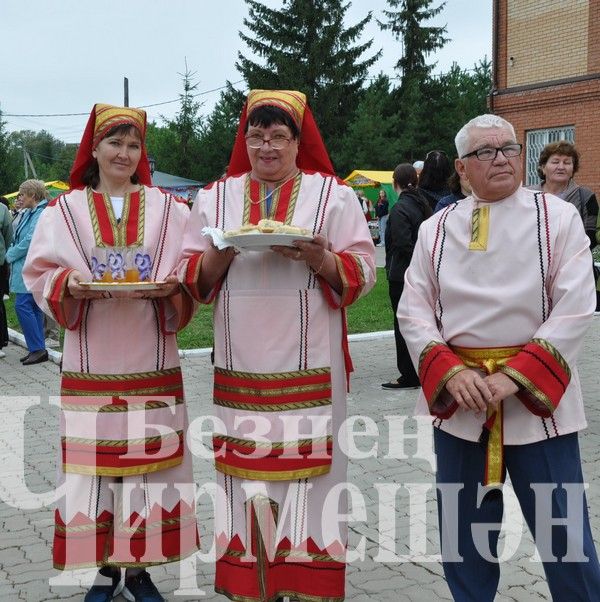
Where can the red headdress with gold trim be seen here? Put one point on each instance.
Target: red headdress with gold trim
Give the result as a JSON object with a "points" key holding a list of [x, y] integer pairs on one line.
{"points": [[312, 154], [104, 118]]}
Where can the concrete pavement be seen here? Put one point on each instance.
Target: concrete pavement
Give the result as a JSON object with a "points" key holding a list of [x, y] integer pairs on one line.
{"points": [[394, 546]]}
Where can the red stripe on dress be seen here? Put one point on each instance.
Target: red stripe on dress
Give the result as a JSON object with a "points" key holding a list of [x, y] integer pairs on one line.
{"points": [[104, 222], [285, 196], [255, 204], [191, 275], [133, 219], [231, 380], [173, 382]]}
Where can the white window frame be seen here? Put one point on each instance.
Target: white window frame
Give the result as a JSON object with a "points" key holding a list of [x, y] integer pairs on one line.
{"points": [[535, 142]]}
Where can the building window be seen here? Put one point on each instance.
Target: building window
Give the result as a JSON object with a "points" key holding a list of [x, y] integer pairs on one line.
{"points": [[536, 140]]}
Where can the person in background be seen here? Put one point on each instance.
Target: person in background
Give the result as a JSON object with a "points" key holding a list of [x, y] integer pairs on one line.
{"points": [[406, 216], [6, 234], [365, 204], [557, 166], [496, 304], [433, 181], [33, 199], [17, 211], [125, 468], [418, 165], [382, 211], [459, 189], [282, 363]]}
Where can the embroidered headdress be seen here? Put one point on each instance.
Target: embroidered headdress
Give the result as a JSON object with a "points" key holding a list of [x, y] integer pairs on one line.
{"points": [[104, 118], [312, 154]]}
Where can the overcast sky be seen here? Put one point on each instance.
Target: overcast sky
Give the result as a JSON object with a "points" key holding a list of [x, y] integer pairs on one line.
{"points": [[62, 56]]}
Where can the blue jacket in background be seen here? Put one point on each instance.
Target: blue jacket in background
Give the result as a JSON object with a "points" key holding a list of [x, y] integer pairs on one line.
{"points": [[17, 252]]}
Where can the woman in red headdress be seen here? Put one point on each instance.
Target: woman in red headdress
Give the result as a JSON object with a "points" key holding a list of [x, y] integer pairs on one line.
{"points": [[125, 470], [281, 353]]}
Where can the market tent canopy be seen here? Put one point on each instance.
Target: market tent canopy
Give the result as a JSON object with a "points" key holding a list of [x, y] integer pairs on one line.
{"points": [[55, 187], [363, 178], [175, 184], [370, 182]]}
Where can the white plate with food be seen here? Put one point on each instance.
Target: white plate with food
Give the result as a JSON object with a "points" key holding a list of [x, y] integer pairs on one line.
{"points": [[123, 286], [262, 241]]}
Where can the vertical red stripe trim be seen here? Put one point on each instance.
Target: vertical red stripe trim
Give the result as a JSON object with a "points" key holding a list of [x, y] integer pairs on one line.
{"points": [[106, 231], [133, 219]]}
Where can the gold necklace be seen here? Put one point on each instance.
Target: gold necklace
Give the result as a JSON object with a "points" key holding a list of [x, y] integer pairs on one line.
{"points": [[272, 192]]}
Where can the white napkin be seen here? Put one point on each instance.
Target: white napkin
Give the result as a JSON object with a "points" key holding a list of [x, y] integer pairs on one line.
{"points": [[217, 237]]}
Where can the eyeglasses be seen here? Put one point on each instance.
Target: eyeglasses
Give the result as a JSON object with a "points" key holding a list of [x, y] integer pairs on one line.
{"points": [[276, 142], [489, 153]]}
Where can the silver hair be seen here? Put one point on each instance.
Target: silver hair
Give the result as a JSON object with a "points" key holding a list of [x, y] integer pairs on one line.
{"points": [[463, 137]]}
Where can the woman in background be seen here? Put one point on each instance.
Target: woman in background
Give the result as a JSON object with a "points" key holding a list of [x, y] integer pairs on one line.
{"points": [[433, 180], [403, 227], [33, 199], [6, 234]]}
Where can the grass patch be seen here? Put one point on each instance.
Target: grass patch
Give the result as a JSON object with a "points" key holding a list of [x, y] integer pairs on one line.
{"points": [[369, 314]]}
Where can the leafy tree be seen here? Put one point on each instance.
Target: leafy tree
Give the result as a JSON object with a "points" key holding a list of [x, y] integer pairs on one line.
{"points": [[371, 141], [305, 46], [176, 146], [418, 41], [8, 166], [218, 134], [51, 157], [454, 98], [162, 143]]}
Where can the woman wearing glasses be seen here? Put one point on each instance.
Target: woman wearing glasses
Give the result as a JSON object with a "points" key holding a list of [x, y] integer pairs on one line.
{"points": [[281, 352]]}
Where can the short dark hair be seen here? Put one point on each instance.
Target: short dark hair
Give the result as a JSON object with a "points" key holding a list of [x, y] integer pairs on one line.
{"points": [[562, 147], [4, 201], [91, 176], [405, 175], [266, 115], [436, 171]]}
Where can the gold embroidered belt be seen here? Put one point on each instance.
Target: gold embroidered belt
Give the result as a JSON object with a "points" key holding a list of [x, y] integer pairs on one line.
{"points": [[490, 359]]}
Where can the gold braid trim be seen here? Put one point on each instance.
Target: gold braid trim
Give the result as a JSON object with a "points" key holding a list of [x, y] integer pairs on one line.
{"points": [[273, 407], [554, 352], [121, 442], [272, 475], [428, 348], [116, 408], [292, 553], [480, 224], [275, 444], [87, 565], [293, 595], [94, 217], [525, 382], [118, 393], [119, 377], [83, 528], [266, 376], [271, 392], [293, 199]]}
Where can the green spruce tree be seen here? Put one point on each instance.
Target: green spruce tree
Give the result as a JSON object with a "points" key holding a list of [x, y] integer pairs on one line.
{"points": [[305, 46], [418, 40]]}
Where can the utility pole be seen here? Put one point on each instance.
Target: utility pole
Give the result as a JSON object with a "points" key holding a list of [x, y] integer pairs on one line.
{"points": [[28, 163], [125, 92]]}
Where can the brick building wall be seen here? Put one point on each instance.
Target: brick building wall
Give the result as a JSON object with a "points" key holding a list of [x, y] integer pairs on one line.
{"points": [[553, 79]]}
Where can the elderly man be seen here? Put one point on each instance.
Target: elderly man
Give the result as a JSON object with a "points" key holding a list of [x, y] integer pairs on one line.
{"points": [[496, 303]]}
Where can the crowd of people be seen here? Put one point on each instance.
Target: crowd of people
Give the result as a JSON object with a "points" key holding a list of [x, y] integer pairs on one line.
{"points": [[495, 363]]}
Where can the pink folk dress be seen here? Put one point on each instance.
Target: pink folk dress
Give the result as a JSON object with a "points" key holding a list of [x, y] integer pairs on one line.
{"points": [[281, 374], [123, 416]]}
